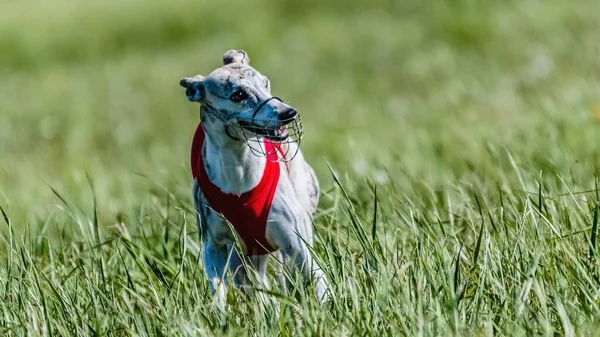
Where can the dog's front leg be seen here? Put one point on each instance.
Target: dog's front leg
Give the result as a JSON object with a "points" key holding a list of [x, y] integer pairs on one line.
{"points": [[259, 265], [257, 268], [310, 270], [237, 264], [215, 262], [296, 249], [281, 262]]}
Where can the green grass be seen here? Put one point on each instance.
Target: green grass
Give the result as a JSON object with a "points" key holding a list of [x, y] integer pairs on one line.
{"points": [[463, 136]]}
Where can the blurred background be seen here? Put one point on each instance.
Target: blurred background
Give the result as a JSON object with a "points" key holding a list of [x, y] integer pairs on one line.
{"points": [[395, 91]]}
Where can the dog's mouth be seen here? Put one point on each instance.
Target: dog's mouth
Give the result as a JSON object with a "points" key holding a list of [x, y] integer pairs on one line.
{"points": [[276, 133], [257, 132]]}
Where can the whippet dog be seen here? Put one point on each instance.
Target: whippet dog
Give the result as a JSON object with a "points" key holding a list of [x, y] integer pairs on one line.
{"points": [[247, 188]]}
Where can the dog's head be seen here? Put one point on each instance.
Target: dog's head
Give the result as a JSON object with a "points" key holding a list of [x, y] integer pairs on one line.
{"points": [[237, 97]]}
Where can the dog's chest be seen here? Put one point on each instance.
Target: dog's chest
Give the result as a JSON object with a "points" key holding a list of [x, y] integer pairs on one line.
{"points": [[283, 212], [232, 177], [246, 212]]}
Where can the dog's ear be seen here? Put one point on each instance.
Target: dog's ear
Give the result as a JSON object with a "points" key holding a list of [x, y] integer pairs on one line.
{"points": [[236, 56], [194, 88]]}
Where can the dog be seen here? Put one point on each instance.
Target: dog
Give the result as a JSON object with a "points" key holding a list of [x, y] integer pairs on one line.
{"points": [[247, 188]]}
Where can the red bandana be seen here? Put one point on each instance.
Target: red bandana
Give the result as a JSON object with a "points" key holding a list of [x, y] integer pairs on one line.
{"points": [[248, 212]]}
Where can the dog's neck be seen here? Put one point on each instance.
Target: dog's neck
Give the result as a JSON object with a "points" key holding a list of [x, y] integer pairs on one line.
{"points": [[229, 163]]}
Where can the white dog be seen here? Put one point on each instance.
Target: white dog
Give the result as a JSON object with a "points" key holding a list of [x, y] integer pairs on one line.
{"points": [[244, 175]]}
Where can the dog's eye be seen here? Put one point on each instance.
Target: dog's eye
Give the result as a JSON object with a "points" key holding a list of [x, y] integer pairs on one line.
{"points": [[239, 96]]}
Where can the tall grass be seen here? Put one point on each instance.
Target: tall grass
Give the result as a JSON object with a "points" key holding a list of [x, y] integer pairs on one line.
{"points": [[449, 260]]}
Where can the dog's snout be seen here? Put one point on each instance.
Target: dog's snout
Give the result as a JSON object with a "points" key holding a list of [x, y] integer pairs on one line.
{"points": [[288, 114]]}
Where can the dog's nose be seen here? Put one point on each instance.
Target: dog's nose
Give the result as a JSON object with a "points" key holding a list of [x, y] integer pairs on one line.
{"points": [[288, 114]]}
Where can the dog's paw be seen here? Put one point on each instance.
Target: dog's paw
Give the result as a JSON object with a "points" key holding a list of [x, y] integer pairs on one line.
{"points": [[219, 291]]}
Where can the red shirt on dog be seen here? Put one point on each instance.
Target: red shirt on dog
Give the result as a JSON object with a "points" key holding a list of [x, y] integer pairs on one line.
{"points": [[247, 212]]}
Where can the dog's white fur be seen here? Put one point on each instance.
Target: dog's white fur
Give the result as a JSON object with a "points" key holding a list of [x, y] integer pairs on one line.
{"points": [[232, 167]]}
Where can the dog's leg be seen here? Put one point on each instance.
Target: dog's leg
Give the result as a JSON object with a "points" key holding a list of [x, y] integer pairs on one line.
{"points": [[293, 234], [215, 262], [259, 268], [237, 265], [310, 270], [259, 264], [280, 269], [297, 250]]}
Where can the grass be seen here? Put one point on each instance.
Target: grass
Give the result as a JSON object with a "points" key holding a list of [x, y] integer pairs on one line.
{"points": [[462, 136]]}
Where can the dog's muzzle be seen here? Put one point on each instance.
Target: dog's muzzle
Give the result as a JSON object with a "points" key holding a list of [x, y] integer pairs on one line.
{"points": [[285, 133]]}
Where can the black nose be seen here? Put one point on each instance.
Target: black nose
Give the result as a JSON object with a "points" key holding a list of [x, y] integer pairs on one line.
{"points": [[287, 115]]}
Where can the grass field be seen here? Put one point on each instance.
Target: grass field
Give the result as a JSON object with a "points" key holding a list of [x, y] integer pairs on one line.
{"points": [[463, 138]]}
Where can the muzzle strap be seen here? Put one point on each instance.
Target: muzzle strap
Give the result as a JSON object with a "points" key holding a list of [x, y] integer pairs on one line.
{"points": [[263, 104], [257, 110], [281, 136]]}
